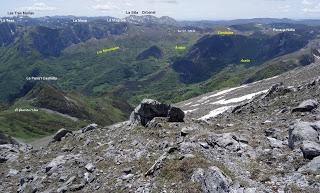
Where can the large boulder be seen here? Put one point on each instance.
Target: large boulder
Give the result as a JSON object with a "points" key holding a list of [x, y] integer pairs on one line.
{"points": [[277, 90], [176, 114], [212, 180], [302, 131], [306, 106], [312, 167], [225, 140], [60, 134], [275, 143], [310, 149], [149, 109], [55, 163], [90, 127]]}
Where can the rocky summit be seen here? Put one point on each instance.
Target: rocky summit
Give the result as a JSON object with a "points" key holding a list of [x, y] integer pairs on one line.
{"points": [[266, 140]]}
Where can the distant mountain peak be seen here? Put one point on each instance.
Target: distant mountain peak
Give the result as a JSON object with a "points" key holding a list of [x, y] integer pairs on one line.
{"points": [[150, 19]]}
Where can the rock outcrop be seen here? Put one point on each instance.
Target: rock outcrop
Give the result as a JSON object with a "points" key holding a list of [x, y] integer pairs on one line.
{"points": [[90, 127], [302, 131], [212, 180], [306, 106], [175, 114], [226, 140], [277, 90], [149, 109], [60, 134], [312, 167], [310, 149]]}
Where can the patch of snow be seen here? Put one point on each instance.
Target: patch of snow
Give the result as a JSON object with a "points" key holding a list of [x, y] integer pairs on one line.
{"points": [[205, 102], [190, 111], [220, 93], [215, 112], [265, 79], [238, 99], [195, 105], [187, 104]]}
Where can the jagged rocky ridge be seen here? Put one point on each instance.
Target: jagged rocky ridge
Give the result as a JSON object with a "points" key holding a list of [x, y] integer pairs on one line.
{"points": [[267, 144]]}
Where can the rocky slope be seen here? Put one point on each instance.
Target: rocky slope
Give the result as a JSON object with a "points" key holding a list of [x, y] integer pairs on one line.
{"points": [[261, 137]]}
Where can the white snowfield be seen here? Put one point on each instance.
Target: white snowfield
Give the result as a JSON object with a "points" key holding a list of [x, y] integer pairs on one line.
{"points": [[216, 112], [220, 93], [238, 99], [195, 105], [222, 109], [215, 103], [190, 111]]}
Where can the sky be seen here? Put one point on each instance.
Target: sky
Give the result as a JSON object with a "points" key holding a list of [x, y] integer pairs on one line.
{"points": [[178, 9]]}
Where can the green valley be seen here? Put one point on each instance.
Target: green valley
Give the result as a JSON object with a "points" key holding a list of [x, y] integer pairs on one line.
{"points": [[103, 69]]}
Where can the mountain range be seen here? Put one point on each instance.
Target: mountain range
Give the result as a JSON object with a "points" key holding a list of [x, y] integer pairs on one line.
{"points": [[258, 137], [106, 65]]}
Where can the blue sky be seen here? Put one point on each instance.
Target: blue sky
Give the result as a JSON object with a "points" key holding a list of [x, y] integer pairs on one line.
{"points": [[178, 9]]}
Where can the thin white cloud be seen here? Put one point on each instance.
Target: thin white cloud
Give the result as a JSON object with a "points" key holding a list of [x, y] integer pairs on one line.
{"points": [[163, 1], [315, 9], [306, 2], [105, 7], [284, 8], [310, 6], [38, 7], [128, 4]]}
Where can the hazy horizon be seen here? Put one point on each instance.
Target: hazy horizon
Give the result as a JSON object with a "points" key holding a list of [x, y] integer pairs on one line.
{"points": [[178, 9], [217, 20]]}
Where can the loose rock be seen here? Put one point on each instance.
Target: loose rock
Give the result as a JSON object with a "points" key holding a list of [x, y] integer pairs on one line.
{"points": [[90, 167], [306, 106], [212, 180], [312, 167], [310, 149], [301, 131]]}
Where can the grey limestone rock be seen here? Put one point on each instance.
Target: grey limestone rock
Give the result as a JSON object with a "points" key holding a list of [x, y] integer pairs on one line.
{"points": [[301, 131], [310, 149], [90, 167], [306, 106], [312, 167], [212, 180]]}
